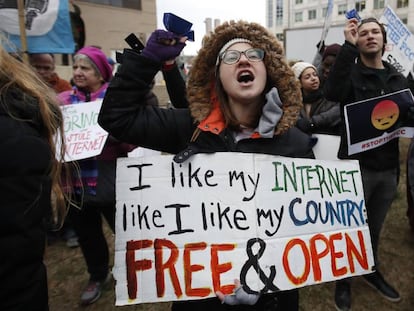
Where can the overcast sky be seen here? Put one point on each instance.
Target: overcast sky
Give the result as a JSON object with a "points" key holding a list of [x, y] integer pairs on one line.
{"points": [[196, 12]]}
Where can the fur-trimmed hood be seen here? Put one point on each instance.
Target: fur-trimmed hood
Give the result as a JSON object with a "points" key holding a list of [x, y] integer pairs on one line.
{"points": [[202, 74]]}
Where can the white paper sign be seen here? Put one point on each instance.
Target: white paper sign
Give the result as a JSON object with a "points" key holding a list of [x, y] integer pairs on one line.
{"points": [[400, 46], [184, 231], [84, 138], [327, 146]]}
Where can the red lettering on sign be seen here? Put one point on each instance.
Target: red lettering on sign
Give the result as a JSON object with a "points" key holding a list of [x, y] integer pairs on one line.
{"points": [[135, 265], [217, 268], [160, 266]]}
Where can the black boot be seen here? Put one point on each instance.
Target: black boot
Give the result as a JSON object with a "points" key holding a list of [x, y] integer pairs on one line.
{"points": [[343, 295], [377, 282]]}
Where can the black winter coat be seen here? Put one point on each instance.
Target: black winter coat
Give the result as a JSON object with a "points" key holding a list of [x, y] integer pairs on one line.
{"points": [[350, 81], [24, 205], [125, 115]]}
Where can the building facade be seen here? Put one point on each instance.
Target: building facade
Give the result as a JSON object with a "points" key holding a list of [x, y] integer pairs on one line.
{"points": [[109, 22], [290, 14]]}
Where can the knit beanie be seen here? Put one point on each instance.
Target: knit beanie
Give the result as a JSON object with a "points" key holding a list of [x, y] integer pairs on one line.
{"points": [[300, 67], [99, 59], [332, 49]]}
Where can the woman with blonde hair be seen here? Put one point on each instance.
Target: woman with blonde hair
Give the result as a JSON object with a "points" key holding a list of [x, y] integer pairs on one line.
{"points": [[30, 175]]}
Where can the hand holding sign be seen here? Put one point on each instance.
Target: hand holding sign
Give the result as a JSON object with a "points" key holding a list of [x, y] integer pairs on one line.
{"points": [[240, 297]]}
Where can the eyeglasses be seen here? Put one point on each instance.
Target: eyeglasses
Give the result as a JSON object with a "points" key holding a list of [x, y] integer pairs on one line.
{"points": [[230, 57]]}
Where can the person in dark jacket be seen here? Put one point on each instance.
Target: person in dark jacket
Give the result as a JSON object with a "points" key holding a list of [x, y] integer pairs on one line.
{"points": [[360, 73], [243, 97], [30, 167], [318, 114], [93, 184]]}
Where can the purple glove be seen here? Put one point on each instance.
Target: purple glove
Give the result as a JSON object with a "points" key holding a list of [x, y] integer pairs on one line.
{"points": [[162, 46]]}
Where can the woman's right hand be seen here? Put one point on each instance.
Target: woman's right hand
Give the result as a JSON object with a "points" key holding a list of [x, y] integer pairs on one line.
{"points": [[240, 297]]}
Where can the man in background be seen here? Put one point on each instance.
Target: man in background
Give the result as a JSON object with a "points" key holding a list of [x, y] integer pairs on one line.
{"points": [[44, 65]]}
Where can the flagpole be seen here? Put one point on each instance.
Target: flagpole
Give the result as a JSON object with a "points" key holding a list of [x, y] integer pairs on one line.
{"points": [[23, 39]]}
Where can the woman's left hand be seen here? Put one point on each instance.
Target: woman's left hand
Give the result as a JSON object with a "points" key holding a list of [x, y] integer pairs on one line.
{"points": [[240, 297]]}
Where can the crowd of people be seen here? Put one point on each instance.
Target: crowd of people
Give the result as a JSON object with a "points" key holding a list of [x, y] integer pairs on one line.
{"points": [[242, 95]]}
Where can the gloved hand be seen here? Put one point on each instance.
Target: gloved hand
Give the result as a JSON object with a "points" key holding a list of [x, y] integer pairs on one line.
{"points": [[305, 125], [321, 46], [163, 45], [240, 297]]}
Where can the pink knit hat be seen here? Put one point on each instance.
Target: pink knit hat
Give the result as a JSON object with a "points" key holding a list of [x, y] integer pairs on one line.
{"points": [[100, 60]]}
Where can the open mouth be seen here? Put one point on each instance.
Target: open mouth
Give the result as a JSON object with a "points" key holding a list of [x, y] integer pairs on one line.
{"points": [[245, 76]]}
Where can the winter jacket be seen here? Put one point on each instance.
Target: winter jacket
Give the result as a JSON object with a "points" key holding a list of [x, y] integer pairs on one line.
{"points": [[58, 84], [25, 189], [324, 114], [125, 115], [350, 81]]}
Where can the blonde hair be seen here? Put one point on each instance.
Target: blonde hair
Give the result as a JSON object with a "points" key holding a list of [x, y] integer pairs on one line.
{"points": [[15, 74]]}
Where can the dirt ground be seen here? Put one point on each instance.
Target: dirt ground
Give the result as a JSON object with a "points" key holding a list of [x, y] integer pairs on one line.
{"points": [[67, 272]]}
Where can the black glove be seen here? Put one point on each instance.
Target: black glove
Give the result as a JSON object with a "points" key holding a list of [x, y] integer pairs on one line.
{"points": [[321, 46], [305, 125]]}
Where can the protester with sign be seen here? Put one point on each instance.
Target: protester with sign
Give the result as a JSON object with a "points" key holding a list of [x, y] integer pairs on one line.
{"points": [[93, 183], [30, 173], [243, 97], [318, 115], [351, 81]]}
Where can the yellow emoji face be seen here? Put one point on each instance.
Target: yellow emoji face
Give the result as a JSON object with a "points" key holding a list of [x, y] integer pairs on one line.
{"points": [[385, 114]]}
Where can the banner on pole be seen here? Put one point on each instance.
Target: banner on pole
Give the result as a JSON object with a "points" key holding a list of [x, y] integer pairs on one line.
{"points": [[47, 25], [399, 51]]}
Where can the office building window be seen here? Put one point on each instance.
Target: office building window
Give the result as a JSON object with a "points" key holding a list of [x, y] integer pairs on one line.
{"points": [[311, 15], [279, 12], [298, 17], [129, 4], [341, 9], [360, 6], [379, 4], [270, 13], [298, 1], [402, 3]]}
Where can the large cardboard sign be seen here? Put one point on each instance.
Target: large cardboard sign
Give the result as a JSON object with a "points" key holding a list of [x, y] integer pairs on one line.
{"points": [[84, 137], [373, 122], [185, 231], [400, 42]]}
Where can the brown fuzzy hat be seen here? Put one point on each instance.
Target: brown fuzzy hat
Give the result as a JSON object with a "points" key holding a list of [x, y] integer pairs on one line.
{"points": [[280, 75]]}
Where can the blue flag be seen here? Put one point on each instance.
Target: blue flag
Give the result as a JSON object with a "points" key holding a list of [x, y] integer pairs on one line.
{"points": [[47, 25]]}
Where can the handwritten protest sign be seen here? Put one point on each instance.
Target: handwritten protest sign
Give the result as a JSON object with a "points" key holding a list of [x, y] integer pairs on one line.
{"points": [[373, 122], [400, 42], [184, 231], [84, 137]]}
